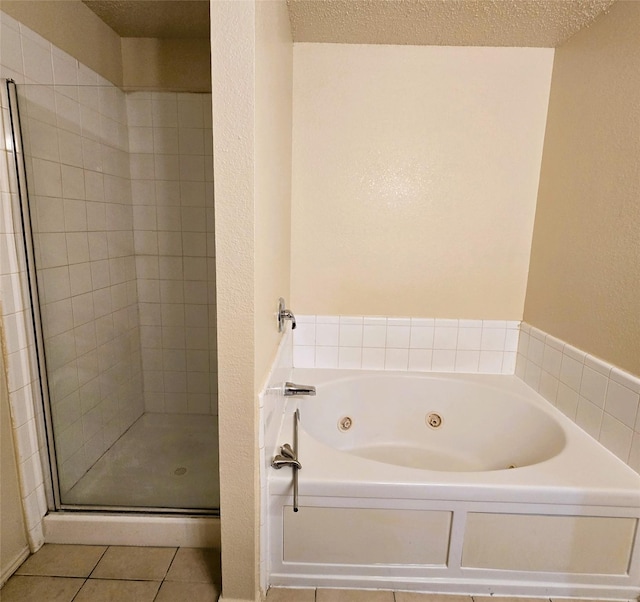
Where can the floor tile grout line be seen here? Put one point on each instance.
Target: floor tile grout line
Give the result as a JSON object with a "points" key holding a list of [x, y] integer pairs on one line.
{"points": [[159, 588], [173, 558], [165, 575], [97, 563], [122, 579], [158, 592], [80, 589]]}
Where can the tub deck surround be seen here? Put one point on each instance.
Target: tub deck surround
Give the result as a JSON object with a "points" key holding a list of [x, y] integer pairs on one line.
{"points": [[566, 524], [582, 472]]}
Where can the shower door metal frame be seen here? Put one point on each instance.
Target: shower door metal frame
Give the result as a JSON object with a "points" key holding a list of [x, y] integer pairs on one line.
{"points": [[52, 482]]}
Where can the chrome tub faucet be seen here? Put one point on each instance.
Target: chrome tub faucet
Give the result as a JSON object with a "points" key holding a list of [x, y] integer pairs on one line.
{"points": [[293, 390]]}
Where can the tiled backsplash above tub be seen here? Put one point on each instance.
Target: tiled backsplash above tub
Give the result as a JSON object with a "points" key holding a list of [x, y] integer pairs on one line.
{"points": [[600, 398], [416, 344]]}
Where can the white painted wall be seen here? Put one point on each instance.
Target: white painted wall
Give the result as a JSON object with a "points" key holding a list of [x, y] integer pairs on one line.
{"points": [[415, 175], [584, 283]]}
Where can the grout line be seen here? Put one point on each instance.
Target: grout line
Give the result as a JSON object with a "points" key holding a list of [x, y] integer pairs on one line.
{"points": [[171, 563], [80, 588], [97, 563], [159, 588]]}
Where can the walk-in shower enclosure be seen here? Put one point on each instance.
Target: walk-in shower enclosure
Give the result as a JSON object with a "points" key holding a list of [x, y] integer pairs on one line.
{"points": [[116, 204]]}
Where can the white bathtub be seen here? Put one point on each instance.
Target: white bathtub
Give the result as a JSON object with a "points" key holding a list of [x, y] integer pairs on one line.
{"points": [[467, 484]]}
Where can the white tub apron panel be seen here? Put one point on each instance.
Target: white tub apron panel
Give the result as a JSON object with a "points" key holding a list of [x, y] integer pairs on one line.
{"points": [[376, 536], [557, 544]]}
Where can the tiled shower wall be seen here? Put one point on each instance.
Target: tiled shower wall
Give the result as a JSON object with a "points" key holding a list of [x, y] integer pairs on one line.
{"points": [[15, 340], [77, 160], [76, 149], [170, 141], [24, 57]]}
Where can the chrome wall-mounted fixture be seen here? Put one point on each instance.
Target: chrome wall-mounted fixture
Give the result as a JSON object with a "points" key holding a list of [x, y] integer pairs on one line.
{"points": [[283, 315], [293, 390], [288, 456]]}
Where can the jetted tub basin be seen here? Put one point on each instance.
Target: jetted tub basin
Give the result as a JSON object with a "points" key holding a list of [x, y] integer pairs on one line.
{"points": [[448, 483], [434, 423]]}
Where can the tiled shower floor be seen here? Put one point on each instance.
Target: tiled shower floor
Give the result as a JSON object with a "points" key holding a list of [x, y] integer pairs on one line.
{"points": [[162, 461]]}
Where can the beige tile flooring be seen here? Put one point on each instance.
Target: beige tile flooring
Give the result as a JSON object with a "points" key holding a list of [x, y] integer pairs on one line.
{"points": [[66, 573], [350, 595]]}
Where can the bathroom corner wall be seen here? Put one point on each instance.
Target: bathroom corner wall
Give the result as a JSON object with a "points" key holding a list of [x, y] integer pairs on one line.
{"points": [[130, 63], [233, 96], [584, 280], [251, 71], [161, 64], [415, 176], [73, 28], [274, 106], [170, 139]]}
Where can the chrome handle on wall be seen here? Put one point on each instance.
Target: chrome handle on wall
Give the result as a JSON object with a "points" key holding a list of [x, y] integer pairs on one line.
{"points": [[284, 314], [288, 456]]}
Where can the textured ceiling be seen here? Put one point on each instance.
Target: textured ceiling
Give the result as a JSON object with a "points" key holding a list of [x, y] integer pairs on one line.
{"points": [[538, 23], [541, 23], [154, 18]]}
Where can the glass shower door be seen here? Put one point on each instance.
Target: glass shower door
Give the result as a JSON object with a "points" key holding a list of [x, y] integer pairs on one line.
{"points": [[121, 229]]}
